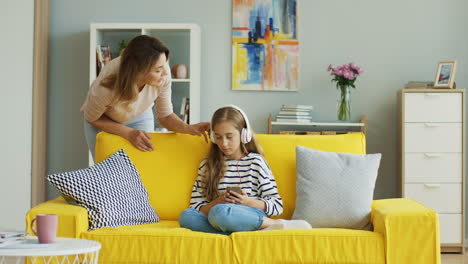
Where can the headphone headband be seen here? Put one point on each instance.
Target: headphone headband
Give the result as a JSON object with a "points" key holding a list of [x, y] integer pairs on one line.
{"points": [[246, 133]]}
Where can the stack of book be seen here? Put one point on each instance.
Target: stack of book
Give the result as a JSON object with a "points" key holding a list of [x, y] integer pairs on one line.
{"points": [[295, 114], [419, 84], [11, 238]]}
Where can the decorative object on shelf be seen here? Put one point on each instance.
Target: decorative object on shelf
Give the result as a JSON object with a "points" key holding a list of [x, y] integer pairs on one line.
{"points": [[445, 77], [265, 45], [179, 71], [122, 45], [103, 57], [345, 76]]}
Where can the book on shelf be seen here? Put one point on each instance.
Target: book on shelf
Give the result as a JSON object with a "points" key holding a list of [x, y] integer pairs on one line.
{"points": [[182, 106], [419, 84], [295, 110], [293, 117], [294, 113], [293, 120], [185, 110], [298, 106]]}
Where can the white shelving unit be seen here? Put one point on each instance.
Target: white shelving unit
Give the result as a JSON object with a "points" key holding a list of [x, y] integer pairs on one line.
{"points": [[183, 40], [361, 125]]}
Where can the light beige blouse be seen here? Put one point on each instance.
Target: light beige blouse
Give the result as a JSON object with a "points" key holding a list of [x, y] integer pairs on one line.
{"points": [[100, 100]]}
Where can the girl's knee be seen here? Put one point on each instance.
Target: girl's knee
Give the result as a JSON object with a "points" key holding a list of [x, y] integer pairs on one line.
{"points": [[187, 216], [220, 216], [219, 212]]}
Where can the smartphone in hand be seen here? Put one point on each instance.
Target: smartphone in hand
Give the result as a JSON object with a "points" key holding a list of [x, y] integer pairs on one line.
{"points": [[236, 189]]}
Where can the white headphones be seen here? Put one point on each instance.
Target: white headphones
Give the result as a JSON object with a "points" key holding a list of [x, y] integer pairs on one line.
{"points": [[246, 134]]}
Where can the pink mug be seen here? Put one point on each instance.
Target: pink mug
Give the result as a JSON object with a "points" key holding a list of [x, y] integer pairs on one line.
{"points": [[46, 227]]}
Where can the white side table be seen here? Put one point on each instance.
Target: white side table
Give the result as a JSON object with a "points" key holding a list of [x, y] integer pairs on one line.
{"points": [[63, 250]]}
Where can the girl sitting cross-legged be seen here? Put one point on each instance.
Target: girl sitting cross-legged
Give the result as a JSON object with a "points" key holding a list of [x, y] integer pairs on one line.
{"points": [[235, 160]]}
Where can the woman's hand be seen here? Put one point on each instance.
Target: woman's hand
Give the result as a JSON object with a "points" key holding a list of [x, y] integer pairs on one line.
{"points": [[140, 139], [199, 129], [238, 198]]}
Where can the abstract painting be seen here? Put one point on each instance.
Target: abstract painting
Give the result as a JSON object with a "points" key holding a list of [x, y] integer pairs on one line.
{"points": [[265, 47]]}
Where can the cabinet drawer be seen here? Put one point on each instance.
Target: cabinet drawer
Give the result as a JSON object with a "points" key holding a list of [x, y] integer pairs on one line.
{"points": [[433, 107], [443, 197], [433, 167], [450, 228], [433, 137]]}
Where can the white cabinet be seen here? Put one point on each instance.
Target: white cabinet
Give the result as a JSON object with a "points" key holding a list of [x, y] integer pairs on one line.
{"points": [[183, 41], [433, 157]]}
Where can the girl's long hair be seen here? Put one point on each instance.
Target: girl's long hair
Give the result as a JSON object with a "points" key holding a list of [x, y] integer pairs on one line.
{"points": [[138, 58], [215, 167]]}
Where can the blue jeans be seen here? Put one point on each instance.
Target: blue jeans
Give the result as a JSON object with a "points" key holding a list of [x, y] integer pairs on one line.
{"points": [[143, 122], [223, 219]]}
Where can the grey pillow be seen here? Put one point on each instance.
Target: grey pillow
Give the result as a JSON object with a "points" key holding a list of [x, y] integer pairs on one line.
{"points": [[335, 189]]}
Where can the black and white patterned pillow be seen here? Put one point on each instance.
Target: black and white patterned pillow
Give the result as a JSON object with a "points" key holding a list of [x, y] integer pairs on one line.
{"points": [[111, 191]]}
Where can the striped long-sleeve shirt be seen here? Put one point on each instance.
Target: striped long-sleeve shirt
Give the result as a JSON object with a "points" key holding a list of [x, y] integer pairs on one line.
{"points": [[252, 174]]}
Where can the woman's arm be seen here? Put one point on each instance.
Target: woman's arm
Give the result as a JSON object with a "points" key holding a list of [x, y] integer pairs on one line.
{"points": [[140, 139], [174, 123]]}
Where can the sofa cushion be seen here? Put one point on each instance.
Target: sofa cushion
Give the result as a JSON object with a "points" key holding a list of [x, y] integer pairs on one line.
{"points": [[111, 191], [321, 245], [166, 242], [335, 189], [162, 242]]}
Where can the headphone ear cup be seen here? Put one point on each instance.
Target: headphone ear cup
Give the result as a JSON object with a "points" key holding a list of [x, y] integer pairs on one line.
{"points": [[245, 137], [248, 135]]}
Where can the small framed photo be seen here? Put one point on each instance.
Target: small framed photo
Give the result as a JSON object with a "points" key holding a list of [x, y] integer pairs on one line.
{"points": [[445, 77]]}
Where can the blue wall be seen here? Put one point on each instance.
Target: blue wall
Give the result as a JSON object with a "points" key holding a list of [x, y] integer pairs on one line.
{"points": [[394, 41]]}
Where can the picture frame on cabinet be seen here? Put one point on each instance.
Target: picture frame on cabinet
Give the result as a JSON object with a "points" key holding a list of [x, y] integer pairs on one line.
{"points": [[445, 76]]}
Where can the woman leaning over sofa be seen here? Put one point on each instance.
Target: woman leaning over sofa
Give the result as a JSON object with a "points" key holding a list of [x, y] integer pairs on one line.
{"points": [[120, 100]]}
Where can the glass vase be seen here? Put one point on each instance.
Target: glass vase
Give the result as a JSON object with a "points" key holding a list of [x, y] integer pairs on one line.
{"points": [[344, 104]]}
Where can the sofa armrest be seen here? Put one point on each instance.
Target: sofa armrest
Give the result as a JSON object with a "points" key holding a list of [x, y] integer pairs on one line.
{"points": [[72, 221], [410, 230]]}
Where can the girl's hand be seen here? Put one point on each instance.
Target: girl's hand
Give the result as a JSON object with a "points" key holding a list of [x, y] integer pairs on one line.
{"points": [[224, 198], [140, 139], [238, 198], [199, 129]]}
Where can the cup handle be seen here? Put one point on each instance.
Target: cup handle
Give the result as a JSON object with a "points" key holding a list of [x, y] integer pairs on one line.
{"points": [[32, 226]]}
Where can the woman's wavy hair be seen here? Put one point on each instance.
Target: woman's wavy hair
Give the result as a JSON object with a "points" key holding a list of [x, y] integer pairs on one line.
{"points": [[215, 167], [137, 59]]}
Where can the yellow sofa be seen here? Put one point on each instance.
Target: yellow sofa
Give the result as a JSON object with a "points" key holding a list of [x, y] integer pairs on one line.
{"points": [[405, 231]]}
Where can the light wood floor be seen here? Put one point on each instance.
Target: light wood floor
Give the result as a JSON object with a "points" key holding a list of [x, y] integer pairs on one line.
{"points": [[455, 258]]}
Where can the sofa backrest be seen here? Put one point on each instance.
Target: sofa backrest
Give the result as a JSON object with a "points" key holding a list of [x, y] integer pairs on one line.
{"points": [[169, 171]]}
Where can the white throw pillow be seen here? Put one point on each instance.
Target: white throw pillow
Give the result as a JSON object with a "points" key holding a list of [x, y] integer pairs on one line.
{"points": [[335, 189]]}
